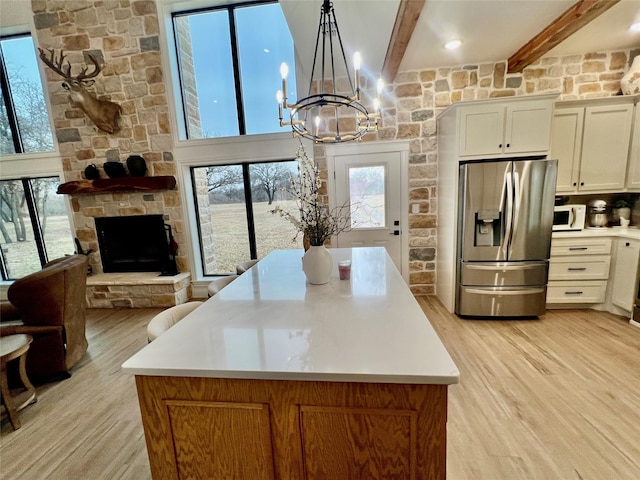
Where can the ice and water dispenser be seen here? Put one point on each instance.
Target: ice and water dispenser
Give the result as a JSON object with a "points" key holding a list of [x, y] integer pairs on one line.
{"points": [[488, 231]]}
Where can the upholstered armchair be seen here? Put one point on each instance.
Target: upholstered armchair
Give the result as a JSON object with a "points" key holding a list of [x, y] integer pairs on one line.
{"points": [[50, 306]]}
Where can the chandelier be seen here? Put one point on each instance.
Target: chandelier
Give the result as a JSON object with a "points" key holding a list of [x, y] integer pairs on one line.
{"points": [[329, 117]]}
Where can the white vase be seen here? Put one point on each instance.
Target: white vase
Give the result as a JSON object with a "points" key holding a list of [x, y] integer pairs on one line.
{"points": [[624, 212], [630, 82], [317, 264]]}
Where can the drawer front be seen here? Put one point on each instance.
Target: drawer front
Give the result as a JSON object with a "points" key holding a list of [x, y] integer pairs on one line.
{"points": [[580, 246], [594, 267], [592, 291], [503, 273], [500, 302]]}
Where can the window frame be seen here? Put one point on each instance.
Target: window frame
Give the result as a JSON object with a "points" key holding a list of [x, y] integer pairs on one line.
{"points": [[174, 53], [7, 96], [248, 203]]}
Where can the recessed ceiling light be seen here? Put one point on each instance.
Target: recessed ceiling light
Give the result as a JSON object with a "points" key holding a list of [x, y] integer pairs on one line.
{"points": [[452, 44], [635, 27]]}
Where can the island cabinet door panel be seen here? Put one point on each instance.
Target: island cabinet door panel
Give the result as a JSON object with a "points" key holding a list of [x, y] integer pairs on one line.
{"points": [[358, 443], [197, 428], [219, 441]]}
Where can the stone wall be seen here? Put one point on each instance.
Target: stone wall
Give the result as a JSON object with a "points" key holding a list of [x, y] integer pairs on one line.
{"points": [[123, 36], [413, 102]]}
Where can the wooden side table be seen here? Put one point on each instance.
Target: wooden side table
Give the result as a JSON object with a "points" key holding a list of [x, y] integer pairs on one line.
{"points": [[12, 347]]}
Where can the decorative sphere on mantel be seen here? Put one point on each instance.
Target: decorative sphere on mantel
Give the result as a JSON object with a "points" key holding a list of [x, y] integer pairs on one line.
{"points": [[630, 82]]}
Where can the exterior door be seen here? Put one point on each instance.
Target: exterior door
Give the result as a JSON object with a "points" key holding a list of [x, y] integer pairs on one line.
{"points": [[371, 183]]}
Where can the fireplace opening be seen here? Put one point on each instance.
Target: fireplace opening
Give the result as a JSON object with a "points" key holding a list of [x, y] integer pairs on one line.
{"points": [[138, 243]]}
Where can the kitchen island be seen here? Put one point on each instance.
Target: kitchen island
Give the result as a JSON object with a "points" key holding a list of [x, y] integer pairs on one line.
{"points": [[274, 378]]}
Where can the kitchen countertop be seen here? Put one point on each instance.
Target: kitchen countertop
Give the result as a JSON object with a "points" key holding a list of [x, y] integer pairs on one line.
{"points": [[271, 324], [618, 232]]}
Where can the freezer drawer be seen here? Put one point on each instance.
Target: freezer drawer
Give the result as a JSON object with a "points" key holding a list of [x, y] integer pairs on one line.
{"points": [[594, 267], [501, 274], [501, 302]]}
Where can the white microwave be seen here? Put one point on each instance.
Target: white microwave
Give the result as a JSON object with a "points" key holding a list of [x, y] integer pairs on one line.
{"points": [[569, 217]]}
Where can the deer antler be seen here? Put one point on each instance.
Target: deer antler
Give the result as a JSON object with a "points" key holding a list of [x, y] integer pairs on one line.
{"points": [[83, 75], [56, 65], [65, 70]]}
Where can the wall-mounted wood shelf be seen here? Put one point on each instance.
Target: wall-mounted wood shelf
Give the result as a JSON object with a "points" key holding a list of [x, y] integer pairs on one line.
{"points": [[105, 185]]}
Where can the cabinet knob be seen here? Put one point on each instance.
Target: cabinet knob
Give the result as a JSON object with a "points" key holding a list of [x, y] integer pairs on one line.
{"points": [[508, 145], [626, 244], [574, 184], [500, 146], [582, 184]]}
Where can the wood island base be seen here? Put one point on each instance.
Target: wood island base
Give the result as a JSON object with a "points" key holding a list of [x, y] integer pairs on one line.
{"points": [[292, 430]]}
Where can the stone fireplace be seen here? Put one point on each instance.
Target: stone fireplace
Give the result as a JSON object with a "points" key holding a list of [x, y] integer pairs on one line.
{"points": [[123, 36], [136, 243]]}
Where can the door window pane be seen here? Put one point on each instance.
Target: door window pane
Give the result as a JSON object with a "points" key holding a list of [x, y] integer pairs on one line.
{"points": [[267, 183], [261, 51], [19, 243], [28, 99], [367, 197]]}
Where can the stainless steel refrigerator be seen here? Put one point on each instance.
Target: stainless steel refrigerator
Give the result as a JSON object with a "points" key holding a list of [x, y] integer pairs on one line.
{"points": [[504, 237]]}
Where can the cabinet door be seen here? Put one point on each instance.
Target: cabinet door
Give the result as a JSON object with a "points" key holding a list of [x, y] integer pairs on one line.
{"points": [[633, 178], [528, 128], [605, 147], [566, 146], [481, 130], [625, 273]]}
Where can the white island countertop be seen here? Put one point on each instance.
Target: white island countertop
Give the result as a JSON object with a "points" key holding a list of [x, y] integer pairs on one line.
{"points": [[271, 324]]}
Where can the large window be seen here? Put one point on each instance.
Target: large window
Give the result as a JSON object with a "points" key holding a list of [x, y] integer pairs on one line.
{"points": [[229, 62], [24, 125], [34, 226], [234, 204]]}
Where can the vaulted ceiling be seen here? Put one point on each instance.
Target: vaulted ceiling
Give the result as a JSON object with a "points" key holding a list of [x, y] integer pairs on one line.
{"points": [[399, 35]]}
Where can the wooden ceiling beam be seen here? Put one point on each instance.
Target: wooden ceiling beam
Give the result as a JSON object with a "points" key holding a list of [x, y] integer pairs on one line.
{"points": [[406, 20], [572, 20]]}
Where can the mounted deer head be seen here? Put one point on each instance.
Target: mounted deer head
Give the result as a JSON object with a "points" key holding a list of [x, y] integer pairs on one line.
{"points": [[105, 114]]}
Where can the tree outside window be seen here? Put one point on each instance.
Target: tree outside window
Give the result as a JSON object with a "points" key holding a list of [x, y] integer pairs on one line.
{"points": [[34, 224]]}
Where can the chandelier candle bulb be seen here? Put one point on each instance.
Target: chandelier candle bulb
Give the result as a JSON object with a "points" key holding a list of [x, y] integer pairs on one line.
{"points": [[284, 71], [279, 99]]}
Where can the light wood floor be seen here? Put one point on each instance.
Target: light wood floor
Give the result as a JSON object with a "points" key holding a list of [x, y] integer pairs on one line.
{"points": [[556, 398]]}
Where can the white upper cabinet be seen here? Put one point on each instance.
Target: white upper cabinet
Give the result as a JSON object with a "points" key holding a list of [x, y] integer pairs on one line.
{"points": [[591, 140], [605, 147], [633, 176], [506, 128], [566, 145]]}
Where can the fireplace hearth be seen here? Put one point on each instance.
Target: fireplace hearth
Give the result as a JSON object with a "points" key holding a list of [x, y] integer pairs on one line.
{"points": [[138, 243]]}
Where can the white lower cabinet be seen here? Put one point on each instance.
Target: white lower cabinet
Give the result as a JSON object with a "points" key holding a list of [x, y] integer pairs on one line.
{"points": [[578, 270], [625, 273]]}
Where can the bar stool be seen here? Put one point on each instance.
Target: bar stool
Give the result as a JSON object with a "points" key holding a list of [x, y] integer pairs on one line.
{"points": [[12, 347], [216, 285], [244, 266]]}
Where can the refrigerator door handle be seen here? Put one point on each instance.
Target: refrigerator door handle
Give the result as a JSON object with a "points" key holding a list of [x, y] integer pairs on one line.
{"points": [[509, 209], [502, 267], [527, 291], [517, 202]]}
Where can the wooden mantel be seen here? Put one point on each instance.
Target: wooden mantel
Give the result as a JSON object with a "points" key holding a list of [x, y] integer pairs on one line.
{"points": [[102, 185]]}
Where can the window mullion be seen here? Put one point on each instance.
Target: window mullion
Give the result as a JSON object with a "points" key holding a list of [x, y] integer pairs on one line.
{"points": [[35, 220], [236, 72], [9, 106], [248, 198]]}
